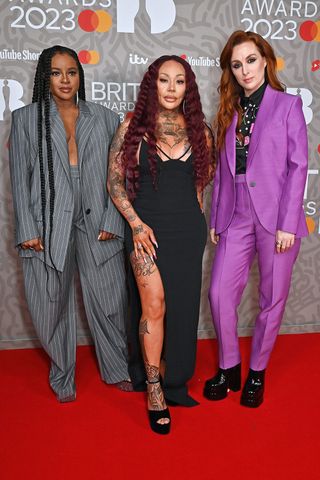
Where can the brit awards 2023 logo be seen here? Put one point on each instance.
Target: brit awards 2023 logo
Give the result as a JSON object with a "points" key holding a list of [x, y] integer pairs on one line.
{"points": [[93, 15], [280, 19]]}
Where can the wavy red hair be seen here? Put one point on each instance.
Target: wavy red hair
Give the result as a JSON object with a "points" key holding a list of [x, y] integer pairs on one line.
{"points": [[230, 90], [143, 123]]}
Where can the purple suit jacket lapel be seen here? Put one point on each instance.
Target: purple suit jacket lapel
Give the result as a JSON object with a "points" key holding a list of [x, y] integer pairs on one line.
{"points": [[230, 144], [264, 115]]}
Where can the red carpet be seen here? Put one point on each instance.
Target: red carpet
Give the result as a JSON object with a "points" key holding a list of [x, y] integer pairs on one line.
{"points": [[105, 434]]}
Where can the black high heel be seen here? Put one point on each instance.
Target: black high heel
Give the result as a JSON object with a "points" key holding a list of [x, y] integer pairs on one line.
{"points": [[216, 388], [156, 415]]}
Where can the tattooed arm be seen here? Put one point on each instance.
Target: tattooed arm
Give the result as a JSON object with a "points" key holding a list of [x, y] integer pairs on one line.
{"points": [[143, 237]]}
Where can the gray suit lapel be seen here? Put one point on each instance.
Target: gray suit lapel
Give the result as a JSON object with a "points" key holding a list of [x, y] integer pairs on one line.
{"points": [[58, 136], [84, 128]]}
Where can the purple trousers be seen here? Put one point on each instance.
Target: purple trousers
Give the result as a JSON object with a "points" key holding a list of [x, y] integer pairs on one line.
{"points": [[234, 255]]}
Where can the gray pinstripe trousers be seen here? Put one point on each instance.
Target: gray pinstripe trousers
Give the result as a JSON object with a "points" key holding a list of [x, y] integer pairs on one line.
{"points": [[54, 316]]}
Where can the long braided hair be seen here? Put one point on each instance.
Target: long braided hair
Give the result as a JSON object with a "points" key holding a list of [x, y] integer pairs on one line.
{"points": [[41, 96]]}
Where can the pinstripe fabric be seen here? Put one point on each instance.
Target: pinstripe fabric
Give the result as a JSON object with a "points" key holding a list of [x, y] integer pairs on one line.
{"points": [[54, 321], [95, 128], [104, 296], [74, 241]]}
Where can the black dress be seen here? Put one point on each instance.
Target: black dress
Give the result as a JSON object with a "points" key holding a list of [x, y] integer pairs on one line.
{"points": [[173, 212]]}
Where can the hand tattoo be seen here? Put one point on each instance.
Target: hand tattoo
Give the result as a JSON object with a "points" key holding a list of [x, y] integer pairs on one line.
{"points": [[138, 229]]}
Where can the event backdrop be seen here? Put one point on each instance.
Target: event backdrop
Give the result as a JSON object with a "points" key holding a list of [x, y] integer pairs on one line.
{"points": [[116, 41]]}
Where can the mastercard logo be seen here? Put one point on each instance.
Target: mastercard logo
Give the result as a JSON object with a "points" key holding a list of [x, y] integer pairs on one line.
{"points": [[91, 57], [310, 31], [98, 21]]}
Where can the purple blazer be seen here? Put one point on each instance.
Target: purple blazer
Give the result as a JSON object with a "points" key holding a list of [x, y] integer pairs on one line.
{"points": [[277, 165]]}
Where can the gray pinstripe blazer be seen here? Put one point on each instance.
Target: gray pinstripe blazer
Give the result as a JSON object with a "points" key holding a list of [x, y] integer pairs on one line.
{"points": [[95, 128]]}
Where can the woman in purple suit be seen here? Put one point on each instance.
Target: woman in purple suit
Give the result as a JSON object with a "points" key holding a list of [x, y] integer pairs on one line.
{"points": [[256, 206]]}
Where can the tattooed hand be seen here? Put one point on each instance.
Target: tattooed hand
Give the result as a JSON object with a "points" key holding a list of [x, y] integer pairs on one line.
{"points": [[144, 241]]}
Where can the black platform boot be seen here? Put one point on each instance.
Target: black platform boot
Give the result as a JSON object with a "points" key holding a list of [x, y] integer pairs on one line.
{"points": [[216, 388], [252, 393]]}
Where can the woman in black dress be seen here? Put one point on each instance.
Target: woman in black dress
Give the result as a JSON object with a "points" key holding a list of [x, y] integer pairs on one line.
{"points": [[160, 162]]}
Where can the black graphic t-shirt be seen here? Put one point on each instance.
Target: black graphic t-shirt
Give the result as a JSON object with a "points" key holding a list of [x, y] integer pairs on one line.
{"points": [[250, 106]]}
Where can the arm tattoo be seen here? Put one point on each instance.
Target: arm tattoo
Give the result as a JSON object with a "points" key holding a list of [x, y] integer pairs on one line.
{"points": [[116, 177], [143, 327]]}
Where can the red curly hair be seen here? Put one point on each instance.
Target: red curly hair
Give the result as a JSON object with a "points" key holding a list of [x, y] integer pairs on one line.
{"points": [[143, 123], [230, 90]]}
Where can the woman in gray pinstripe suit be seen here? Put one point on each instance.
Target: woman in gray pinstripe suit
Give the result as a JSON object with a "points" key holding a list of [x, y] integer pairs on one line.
{"points": [[58, 160]]}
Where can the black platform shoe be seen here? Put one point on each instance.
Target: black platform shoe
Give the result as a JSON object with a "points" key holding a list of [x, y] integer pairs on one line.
{"points": [[216, 388], [252, 393], [156, 415]]}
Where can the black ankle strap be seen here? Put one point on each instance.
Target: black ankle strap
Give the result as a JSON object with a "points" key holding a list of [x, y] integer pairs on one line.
{"points": [[152, 382]]}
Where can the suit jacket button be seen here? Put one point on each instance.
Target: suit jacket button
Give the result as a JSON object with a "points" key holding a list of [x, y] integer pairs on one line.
{"points": [[252, 184], [88, 211]]}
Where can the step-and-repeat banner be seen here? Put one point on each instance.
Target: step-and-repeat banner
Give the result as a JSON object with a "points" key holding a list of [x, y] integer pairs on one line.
{"points": [[116, 40]]}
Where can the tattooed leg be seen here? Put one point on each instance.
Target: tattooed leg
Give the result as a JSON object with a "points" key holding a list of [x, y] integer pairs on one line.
{"points": [[151, 292], [143, 327], [156, 399]]}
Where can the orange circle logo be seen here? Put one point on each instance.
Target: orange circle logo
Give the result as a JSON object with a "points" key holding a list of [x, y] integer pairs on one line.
{"points": [[91, 57], [98, 21]]}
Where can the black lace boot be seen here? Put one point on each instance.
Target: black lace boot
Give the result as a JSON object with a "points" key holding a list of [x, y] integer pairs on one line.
{"points": [[252, 393], [217, 388]]}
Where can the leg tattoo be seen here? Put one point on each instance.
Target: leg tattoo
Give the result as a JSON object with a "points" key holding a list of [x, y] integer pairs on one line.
{"points": [[155, 393], [143, 327], [152, 373], [156, 397]]}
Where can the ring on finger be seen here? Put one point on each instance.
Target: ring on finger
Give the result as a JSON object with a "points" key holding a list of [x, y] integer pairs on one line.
{"points": [[139, 246]]}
